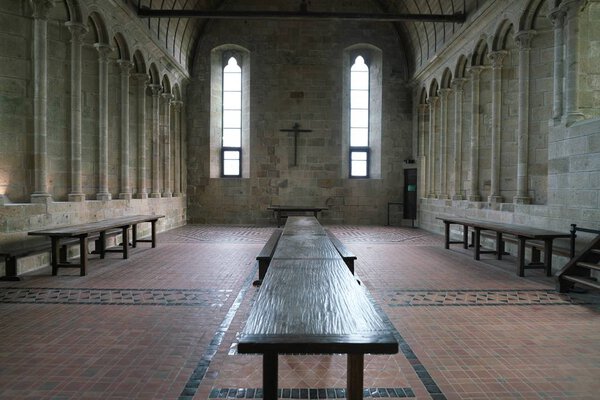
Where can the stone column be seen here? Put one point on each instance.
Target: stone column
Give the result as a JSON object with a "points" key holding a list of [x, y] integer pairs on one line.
{"points": [[177, 106], [433, 100], [475, 72], [166, 135], [443, 144], [77, 31], [572, 111], [142, 189], [497, 57], [156, 91], [422, 157], [41, 8], [457, 85], [125, 67], [103, 51], [523, 40], [558, 19]]}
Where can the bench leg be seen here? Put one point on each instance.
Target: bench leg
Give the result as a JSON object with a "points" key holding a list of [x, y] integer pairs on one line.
{"points": [[477, 243], [134, 235], [499, 246], [521, 256], [270, 376], [548, 256], [54, 255], [263, 265], [153, 229], [354, 385], [125, 239], [10, 273], [465, 237], [446, 235], [83, 244]]}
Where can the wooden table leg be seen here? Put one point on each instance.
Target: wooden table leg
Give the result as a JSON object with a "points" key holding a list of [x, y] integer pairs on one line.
{"points": [[83, 244], [270, 376], [134, 235], [499, 246], [446, 236], [354, 389], [102, 244], [477, 243], [548, 256], [465, 237], [54, 254], [153, 229], [125, 240], [520, 256]]}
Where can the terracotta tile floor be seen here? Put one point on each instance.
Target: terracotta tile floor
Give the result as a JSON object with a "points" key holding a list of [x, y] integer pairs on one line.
{"points": [[163, 325]]}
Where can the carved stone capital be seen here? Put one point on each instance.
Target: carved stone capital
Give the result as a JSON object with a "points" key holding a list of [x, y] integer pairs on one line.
{"points": [[103, 51], [77, 30], [41, 8], [423, 107], [177, 104], [141, 78], [557, 17], [167, 96], [444, 93], [523, 39], [475, 71], [497, 57], [458, 84], [125, 66], [432, 100], [155, 89]]}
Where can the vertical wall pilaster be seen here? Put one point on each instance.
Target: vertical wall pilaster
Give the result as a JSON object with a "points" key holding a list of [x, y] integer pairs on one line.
{"points": [[496, 57], [558, 20], [156, 91], [142, 188], [523, 40], [475, 72], [166, 139], [125, 67], [572, 111], [41, 8], [103, 51], [177, 106], [433, 100], [77, 31], [457, 85], [422, 109], [443, 144]]}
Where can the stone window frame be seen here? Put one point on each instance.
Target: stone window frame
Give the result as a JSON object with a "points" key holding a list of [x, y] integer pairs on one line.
{"points": [[373, 57], [218, 60]]}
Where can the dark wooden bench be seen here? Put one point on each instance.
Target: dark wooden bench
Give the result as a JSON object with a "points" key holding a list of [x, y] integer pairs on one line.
{"points": [[309, 303], [266, 254], [282, 212], [346, 254], [83, 232], [523, 235]]}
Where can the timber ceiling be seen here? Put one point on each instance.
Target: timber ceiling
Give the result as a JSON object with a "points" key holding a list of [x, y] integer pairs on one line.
{"points": [[423, 26]]}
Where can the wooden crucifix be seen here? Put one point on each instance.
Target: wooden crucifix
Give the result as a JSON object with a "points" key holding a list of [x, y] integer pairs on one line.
{"points": [[296, 129]]}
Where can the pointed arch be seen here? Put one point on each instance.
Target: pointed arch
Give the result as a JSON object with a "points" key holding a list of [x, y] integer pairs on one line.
{"points": [[433, 88], [74, 11], [423, 96], [166, 84], [99, 28], [139, 62], [502, 33], [122, 47], [154, 74], [446, 79], [461, 67], [479, 53]]}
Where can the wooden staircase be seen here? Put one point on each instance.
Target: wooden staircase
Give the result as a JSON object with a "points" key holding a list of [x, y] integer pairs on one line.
{"points": [[579, 269]]}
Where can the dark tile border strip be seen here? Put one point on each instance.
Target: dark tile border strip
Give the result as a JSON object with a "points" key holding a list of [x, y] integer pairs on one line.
{"points": [[432, 388], [193, 383], [308, 393]]}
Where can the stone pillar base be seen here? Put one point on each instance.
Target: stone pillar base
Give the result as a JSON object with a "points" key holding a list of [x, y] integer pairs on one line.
{"points": [[442, 196], [77, 197], [177, 194], [143, 195], [431, 195], [521, 200], [103, 196], [154, 195], [167, 194], [4, 200], [458, 197], [474, 197], [41, 198], [125, 196], [495, 199], [573, 117]]}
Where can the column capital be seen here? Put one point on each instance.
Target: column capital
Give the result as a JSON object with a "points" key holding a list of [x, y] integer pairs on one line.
{"points": [[167, 96], [141, 77], [423, 107], [523, 39], [458, 84], [156, 89], [444, 93], [475, 71], [103, 50], [41, 8], [432, 100], [125, 65], [177, 104], [557, 17], [77, 29], [572, 6], [497, 57]]}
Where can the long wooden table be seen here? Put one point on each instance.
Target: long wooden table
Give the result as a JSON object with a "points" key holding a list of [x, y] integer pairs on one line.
{"points": [[83, 231], [282, 212], [309, 302], [521, 232]]}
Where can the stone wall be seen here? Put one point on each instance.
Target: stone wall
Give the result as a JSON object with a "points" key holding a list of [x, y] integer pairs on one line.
{"points": [[297, 76]]}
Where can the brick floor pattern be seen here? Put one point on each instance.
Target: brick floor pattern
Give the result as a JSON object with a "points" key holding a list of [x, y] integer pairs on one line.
{"points": [[164, 325]]}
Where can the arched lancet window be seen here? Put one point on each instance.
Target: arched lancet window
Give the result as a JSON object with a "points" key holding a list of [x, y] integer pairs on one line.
{"points": [[231, 150], [359, 119]]}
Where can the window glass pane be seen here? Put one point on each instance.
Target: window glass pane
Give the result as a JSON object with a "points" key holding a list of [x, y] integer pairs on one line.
{"points": [[359, 118], [358, 168], [359, 99], [232, 138], [232, 100], [359, 65], [231, 155], [359, 137], [232, 82], [231, 167], [232, 119], [359, 155], [359, 80]]}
